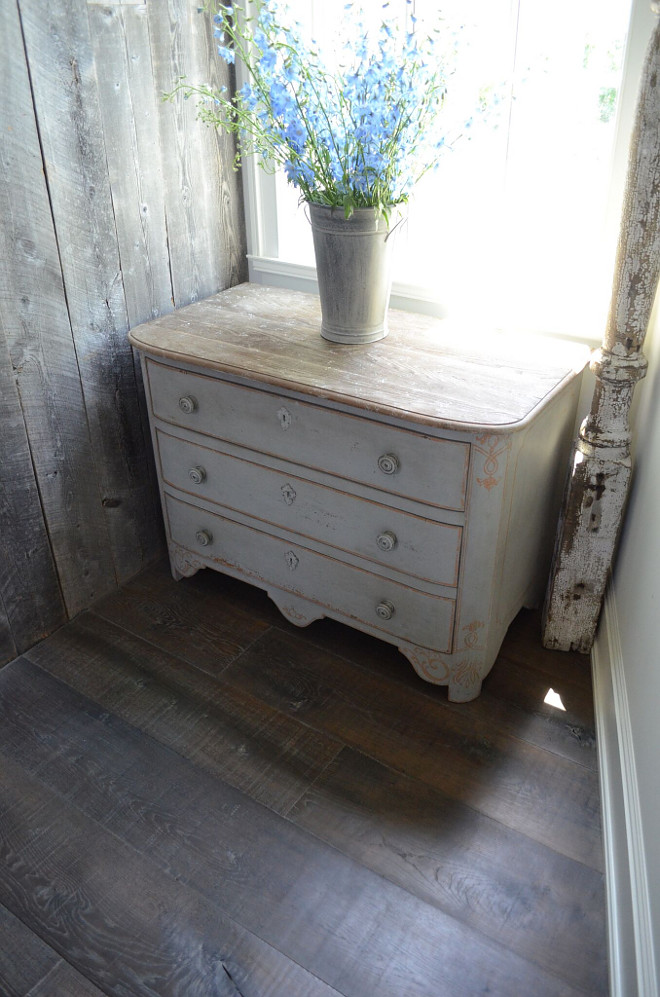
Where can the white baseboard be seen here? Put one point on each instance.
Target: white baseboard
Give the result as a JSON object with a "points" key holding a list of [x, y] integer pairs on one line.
{"points": [[632, 959]]}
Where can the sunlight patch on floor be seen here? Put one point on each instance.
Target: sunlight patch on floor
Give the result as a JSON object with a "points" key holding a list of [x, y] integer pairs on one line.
{"points": [[553, 698]]}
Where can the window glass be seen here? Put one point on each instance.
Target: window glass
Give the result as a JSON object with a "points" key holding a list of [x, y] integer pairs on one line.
{"points": [[510, 227]]}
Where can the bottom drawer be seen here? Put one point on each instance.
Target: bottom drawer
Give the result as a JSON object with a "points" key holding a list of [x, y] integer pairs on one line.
{"points": [[340, 588]]}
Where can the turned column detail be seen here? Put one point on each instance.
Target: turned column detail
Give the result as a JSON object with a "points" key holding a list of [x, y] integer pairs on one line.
{"points": [[601, 468]]}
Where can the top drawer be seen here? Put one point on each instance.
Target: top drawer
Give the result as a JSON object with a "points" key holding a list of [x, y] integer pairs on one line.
{"points": [[361, 449]]}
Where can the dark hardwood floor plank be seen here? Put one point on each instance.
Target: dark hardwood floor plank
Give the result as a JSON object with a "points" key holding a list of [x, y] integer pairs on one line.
{"points": [[342, 827], [24, 958], [549, 798], [346, 925], [207, 621], [259, 749], [115, 918], [8, 650], [512, 695], [542, 905], [522, 644], [202, 620], [65, 981]]}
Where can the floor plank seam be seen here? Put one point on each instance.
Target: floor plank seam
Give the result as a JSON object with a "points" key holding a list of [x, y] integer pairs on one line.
{"points": [[109, 618], [429, 693], [283, 700], [275, 710], [163, 871], [38, 987], [174, 879], [51, 972], [171, 746], [286, 813], [320, 730], [428, 696], [490, 938], [468, 806], [315, 729]]}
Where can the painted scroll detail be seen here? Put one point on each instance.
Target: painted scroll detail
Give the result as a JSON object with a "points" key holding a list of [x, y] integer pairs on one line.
{"points": [[466, 673], [428, 664], [471, 632], [491, 448]]}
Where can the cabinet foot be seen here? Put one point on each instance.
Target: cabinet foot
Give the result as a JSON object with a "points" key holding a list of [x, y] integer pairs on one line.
{"points": [[466, 676], [183, 564], [428, 664], [463, 677], [459, 692]]}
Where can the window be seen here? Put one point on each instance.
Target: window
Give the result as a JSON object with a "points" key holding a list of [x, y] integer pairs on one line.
{"points": [[517, 228]]}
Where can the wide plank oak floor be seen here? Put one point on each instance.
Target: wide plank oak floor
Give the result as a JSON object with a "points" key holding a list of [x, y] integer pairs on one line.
{"points": [[198, 799]]}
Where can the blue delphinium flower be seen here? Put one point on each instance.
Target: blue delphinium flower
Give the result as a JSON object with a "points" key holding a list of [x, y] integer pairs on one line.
{"points": [[358, 134], [227, 54]]}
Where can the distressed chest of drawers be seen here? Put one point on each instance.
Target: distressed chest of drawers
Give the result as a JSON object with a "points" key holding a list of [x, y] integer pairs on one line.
{"points": [[408, 488]]}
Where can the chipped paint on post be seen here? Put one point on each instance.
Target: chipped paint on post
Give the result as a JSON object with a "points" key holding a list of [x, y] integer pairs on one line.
{"points": [[598, 485]]}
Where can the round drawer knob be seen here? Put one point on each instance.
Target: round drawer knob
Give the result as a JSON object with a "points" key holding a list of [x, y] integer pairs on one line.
{"points": [[388, 463], [386, 540], [204, 538], [385, 610], [187, 404], [197, 474]]}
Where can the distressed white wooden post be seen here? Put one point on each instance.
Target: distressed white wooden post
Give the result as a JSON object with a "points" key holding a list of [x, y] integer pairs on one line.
{"points": [[601, 469]]}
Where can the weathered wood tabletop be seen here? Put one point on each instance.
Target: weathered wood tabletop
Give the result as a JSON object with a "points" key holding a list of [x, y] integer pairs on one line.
{"points": [[432, 371]]}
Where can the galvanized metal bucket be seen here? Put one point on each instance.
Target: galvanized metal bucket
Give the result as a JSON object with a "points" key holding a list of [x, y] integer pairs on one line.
{"points": [[353, 266]]}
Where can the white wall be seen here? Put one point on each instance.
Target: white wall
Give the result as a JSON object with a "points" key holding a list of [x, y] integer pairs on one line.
{"points": [[631, 626]]}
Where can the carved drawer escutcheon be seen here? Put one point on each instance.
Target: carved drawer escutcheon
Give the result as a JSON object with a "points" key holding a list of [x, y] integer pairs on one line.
{"points": [[358, 449], [338, 589], [412, 544], [288, 493]]}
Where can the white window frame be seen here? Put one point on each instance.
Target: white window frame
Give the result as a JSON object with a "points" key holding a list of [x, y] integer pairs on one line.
{"points": [[264, 266]]}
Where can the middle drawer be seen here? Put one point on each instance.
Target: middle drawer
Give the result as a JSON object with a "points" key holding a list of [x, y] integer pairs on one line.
{"points": [[412, 544]]}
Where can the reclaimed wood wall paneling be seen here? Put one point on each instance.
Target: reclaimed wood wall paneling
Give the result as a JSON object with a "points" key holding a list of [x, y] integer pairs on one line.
{"points": [[45, 443], [106, 221], [31, 604], [206, 235], [69, 116]]}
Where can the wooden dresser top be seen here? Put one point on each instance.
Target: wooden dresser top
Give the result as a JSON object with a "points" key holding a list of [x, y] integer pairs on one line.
{"points": [[426, 371]]}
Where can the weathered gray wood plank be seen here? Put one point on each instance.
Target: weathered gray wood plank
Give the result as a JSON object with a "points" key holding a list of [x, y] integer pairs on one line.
{"points": [[129, 113], [128, 105], [203, 196], [31, 603], [51, 451], [63, 74]]}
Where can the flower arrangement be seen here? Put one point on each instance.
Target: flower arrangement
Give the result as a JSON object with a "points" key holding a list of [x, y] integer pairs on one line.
{"points": [[358, 134]]}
